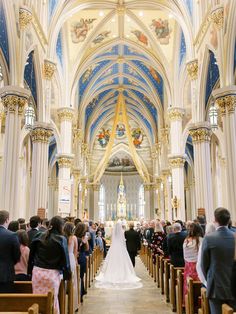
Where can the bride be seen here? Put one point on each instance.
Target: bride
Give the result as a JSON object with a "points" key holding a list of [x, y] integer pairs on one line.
{"points": [[117, 271]]}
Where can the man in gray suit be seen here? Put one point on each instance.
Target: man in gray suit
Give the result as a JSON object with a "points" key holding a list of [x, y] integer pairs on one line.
{"points": [[217, 261]]}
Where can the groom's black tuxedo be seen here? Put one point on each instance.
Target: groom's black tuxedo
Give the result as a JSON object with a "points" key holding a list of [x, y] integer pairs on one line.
{"points": [[132, 243]]}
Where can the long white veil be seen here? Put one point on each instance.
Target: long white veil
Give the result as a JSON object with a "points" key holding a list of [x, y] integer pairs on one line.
{"points": [[117, 271]]}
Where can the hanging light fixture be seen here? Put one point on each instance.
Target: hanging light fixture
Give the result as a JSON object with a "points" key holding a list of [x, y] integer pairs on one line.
{"points": [[29, 115], [213, 116]]}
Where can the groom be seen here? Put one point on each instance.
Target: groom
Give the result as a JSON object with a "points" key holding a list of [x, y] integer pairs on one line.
{"points": [[132, 242]]}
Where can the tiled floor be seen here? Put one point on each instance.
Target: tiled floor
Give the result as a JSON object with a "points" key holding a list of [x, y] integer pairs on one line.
{"points": [[138, 301]]}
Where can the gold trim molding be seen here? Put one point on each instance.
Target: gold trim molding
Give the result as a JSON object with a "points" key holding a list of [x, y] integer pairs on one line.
{"points": [[64, 162], [49, 68], [65, 114], [192, 69], [41, 134], [217, 17], [25, 18], [176, 162], [175, 114], [201, 134]]}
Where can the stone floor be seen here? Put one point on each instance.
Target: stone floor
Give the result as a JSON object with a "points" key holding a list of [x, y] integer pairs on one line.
{"points": [[138, 301]]}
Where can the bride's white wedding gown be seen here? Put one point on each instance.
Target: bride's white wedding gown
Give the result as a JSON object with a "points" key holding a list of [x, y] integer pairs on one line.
{"points": [[117, 271]]}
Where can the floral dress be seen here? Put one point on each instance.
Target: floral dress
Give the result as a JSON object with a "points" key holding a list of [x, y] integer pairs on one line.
{"points": [[157, 244]]}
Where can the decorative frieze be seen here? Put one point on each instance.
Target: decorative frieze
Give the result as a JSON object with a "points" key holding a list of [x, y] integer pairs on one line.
{"points": [[25, 18], [200, 134], [217, 17], [41, 134], [48, 69], [175, 114], [176, 162], [65, 114], [14, 103], [192, 68]]}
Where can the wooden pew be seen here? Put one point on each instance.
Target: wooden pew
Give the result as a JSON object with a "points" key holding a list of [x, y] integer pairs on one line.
{"points": [[158, 270], [173, 283], [179, 292], [204, 303], [34, 309], [15, 302], [226, 309], [192, 297], [86, 274], [167, 279], [162, 270], [78, 282]]}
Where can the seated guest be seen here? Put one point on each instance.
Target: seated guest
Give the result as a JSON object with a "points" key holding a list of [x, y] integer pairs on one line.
{"points": [[175, 245], [21, 267], [217, 262], [13, 226], [157, 241], [34, 225], [210, 227], [9, 254], [49, 257], [191, 248], [169, 231]]}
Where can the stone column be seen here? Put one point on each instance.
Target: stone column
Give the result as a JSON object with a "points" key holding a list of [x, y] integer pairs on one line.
{"points": [[40, 136], [147, 196], [167, 194], [177, 169], [96, 189], [49, 68], [14, 100], [75, 194], [64, 183], [201, 134], [226, 101], [192, 69]]}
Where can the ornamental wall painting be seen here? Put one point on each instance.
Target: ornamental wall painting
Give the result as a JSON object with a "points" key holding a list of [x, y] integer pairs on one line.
{"points": [[121, 164], [155, 75], [162, 30], [120, 130], [137, 136], [100, 37], [140, 36], [79, 30], [103, 137]]}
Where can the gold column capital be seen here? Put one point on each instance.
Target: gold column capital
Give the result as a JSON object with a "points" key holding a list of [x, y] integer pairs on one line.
{"points": [[192, 69], [14, 98], [200, 133], [77, 134], [175, 113], [226, 103], [65, 114], [120, 9], [49, 68], [25, 17], [41, 133], [147, 187], [64, 161], [96, 187], [176, 161], [217, 17], [76, 173]]}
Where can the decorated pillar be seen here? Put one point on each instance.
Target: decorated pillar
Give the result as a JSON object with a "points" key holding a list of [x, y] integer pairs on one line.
{"points": [[192, 69], [75, 193], [201, 134], [40, 136], [147, 198], [226, 101], [64, 184], [49, 68], [96, 189], [166, 175], [164, 148], [177, 169], [14, 100]]}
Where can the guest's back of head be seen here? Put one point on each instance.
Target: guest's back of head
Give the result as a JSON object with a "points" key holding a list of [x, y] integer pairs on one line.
{"points": [[80, 230], [23, 237], [14, 226], [4, 217], [177, 227], [222, 216], [34, 222], [210, 227]]}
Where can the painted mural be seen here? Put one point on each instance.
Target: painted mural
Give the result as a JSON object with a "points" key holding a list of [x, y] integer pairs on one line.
{"points": [[155, 75], [120, 130], [140, 36], [103, 137], [100, 37], [79, 30], [137, 136], [162, 30], [121, 164]]}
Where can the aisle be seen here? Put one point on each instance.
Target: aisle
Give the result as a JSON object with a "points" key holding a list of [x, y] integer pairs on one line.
{"points": [[138, 301]]}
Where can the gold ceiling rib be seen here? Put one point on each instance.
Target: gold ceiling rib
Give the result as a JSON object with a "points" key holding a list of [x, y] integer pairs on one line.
{"points": [[121, 117]]}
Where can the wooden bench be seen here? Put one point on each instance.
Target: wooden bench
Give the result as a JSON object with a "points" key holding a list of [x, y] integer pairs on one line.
{"points": [[167, 279], [226, 309], [158, 270], [173, 284], [162, 271], [179, 292], [204, 303], [192, 297], [13, 302]]}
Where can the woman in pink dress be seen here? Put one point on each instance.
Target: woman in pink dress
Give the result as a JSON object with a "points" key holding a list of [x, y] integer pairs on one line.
{"points": [[21, 268]]}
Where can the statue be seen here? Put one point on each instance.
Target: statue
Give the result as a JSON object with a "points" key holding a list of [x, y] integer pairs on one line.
{"points": [[121, 200]]}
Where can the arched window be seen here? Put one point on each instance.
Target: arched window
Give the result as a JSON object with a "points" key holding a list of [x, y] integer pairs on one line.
{"points": [[141, 201], [101, 203]]}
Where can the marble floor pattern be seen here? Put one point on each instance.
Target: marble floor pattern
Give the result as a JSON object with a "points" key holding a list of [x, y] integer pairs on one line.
{"points": [[138, 301]]}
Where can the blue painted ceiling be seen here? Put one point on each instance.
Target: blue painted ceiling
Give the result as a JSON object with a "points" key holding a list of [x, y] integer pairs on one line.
{"points": [[212, 76], [29, 75]]}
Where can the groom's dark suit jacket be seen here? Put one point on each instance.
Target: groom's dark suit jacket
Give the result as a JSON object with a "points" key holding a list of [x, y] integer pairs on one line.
{"points": [[132, 241]]}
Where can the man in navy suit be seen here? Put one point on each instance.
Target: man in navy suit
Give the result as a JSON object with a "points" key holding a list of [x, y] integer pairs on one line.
{"points": [[9, 254], [217, 262]]}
